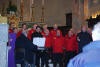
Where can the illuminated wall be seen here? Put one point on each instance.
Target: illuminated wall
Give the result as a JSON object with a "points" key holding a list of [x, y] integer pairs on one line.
{"points": [[94, 8]]}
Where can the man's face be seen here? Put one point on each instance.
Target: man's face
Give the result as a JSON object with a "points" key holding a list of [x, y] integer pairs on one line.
{"points": [[38, 29], [84, 29], [34, 26], [55, 26], [47, 32], [12, 25], [70, 33], [45, 27], [58, 33], [24, 27]]}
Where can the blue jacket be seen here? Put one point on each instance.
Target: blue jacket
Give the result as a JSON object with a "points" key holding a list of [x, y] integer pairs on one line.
{"points": [[90, 57]]}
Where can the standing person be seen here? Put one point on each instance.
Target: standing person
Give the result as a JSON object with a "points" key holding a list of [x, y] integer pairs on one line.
{"points": [[11, 53], [54, 30], [83, 38], [11, 28], [57, 45], [30, 32], [12, 40], [45, 28], [22, 41], [90, 57], [23, 31], [46, 53], [38, 54], [37, 33], [71, 46]]}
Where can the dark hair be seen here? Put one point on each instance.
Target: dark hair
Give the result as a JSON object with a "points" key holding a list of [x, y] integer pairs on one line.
{"points": [[11, 24], [23, 24], [38, 27]]}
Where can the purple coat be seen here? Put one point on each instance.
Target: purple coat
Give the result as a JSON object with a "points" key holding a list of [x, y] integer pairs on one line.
{"points": [[11, 55]]}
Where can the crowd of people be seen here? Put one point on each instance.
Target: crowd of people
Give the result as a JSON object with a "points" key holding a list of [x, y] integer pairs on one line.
{"points": [[60, 49], [89, 57]]}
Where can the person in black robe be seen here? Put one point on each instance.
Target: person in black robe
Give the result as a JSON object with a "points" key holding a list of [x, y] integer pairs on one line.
{"points": [[38, 54], [83, 38]]}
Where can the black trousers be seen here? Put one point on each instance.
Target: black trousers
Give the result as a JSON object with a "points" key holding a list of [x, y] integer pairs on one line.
{"points": [[57, 59], [68, 56], [38, 55], [44, 56]]}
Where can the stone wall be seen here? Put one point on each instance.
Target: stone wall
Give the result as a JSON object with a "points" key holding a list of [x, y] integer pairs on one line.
{"points": [[55, 11]]}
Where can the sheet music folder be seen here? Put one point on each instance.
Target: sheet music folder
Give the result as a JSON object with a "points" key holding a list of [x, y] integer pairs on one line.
{"points": [[40, 42]]}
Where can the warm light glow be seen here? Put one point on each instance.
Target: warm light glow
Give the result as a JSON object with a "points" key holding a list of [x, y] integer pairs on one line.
{"points": [[95, 1], [95, 15]]}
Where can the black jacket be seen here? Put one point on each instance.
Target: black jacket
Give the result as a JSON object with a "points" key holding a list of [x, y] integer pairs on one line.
{"points": [[36, 34], [85, 38], [30, 48]]}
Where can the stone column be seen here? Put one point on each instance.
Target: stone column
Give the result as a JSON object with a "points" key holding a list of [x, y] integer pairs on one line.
{"points": [[3, 54], [86, 9], [78, 14], [3, 45]]}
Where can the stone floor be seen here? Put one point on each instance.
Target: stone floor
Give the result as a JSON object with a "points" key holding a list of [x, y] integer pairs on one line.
{"points": [[50, 65]]}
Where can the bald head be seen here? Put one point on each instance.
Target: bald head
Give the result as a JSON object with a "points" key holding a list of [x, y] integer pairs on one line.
{"points": [[84, 29], [55, 26]]}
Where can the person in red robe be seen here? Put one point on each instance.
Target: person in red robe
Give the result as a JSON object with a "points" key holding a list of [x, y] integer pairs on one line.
{"points": [[30, 32], [71, 46], [57, 45], [48, 39], [46, 35], [46, 53], [23, 31], [45, 28], [54, 30]]}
